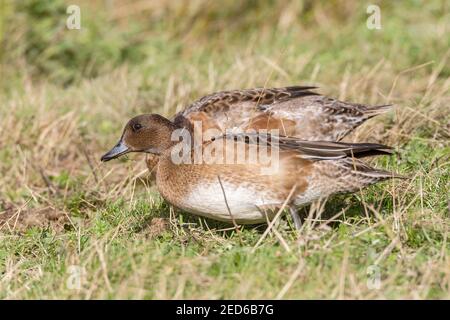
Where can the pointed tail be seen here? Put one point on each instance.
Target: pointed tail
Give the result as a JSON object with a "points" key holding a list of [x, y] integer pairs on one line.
{"points": [[348, 175], [373, 111]]}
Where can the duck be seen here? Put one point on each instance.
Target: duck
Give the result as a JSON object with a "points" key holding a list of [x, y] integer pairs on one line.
{"points": [[297, 111], [247, 190]]}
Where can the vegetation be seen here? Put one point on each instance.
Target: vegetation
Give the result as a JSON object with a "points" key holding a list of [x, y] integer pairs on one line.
{"points": [[66, 94]]}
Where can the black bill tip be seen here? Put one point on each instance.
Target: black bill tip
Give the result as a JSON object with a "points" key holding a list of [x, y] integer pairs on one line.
{"points": [[118, 150]]}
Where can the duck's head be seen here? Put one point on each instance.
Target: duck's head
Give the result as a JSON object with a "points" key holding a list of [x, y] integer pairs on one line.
{"points": [[148, 133]]}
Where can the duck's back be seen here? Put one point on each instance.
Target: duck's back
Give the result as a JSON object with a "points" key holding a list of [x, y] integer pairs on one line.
{"points": [[293, 111]]}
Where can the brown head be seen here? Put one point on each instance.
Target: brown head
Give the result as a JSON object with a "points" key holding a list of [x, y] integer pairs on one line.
{"points": [[149, 133]]}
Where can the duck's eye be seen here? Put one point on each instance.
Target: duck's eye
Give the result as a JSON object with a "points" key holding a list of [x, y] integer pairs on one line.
{"points": [[137, 127]]}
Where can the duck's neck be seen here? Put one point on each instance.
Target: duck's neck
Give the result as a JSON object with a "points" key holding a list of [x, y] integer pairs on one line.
{"points": [[176, 134], [164, 136]]}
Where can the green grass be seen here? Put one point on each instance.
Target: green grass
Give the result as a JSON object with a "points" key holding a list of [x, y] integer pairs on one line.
{"points": [[65, 96]]}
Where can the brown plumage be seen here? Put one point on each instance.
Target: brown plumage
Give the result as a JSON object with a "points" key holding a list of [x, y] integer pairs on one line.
{"points": [[248, 190], [295, 111]]}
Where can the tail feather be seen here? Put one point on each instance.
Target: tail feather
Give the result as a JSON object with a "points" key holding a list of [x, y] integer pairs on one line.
{"points": [[360, 168], [373, 111], [347, 175], [357, 114]]}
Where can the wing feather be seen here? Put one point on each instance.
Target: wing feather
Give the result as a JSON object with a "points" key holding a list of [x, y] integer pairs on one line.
{"points": [[314, 150]]}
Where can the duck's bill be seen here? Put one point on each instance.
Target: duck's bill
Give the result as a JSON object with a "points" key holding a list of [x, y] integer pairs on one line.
{"points": [[119, 150]]}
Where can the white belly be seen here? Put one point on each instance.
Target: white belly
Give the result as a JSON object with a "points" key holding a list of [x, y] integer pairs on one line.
{"points": [[246, 204]]}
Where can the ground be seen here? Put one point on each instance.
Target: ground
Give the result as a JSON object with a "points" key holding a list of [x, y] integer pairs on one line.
{"points": [[72, 227]]}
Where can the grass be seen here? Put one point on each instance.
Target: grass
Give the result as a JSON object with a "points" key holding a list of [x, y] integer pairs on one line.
{"points": [[66, 94]]}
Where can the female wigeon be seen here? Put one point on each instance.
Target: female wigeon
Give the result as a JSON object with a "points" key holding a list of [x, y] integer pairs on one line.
{"points": [[247, 191]]}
